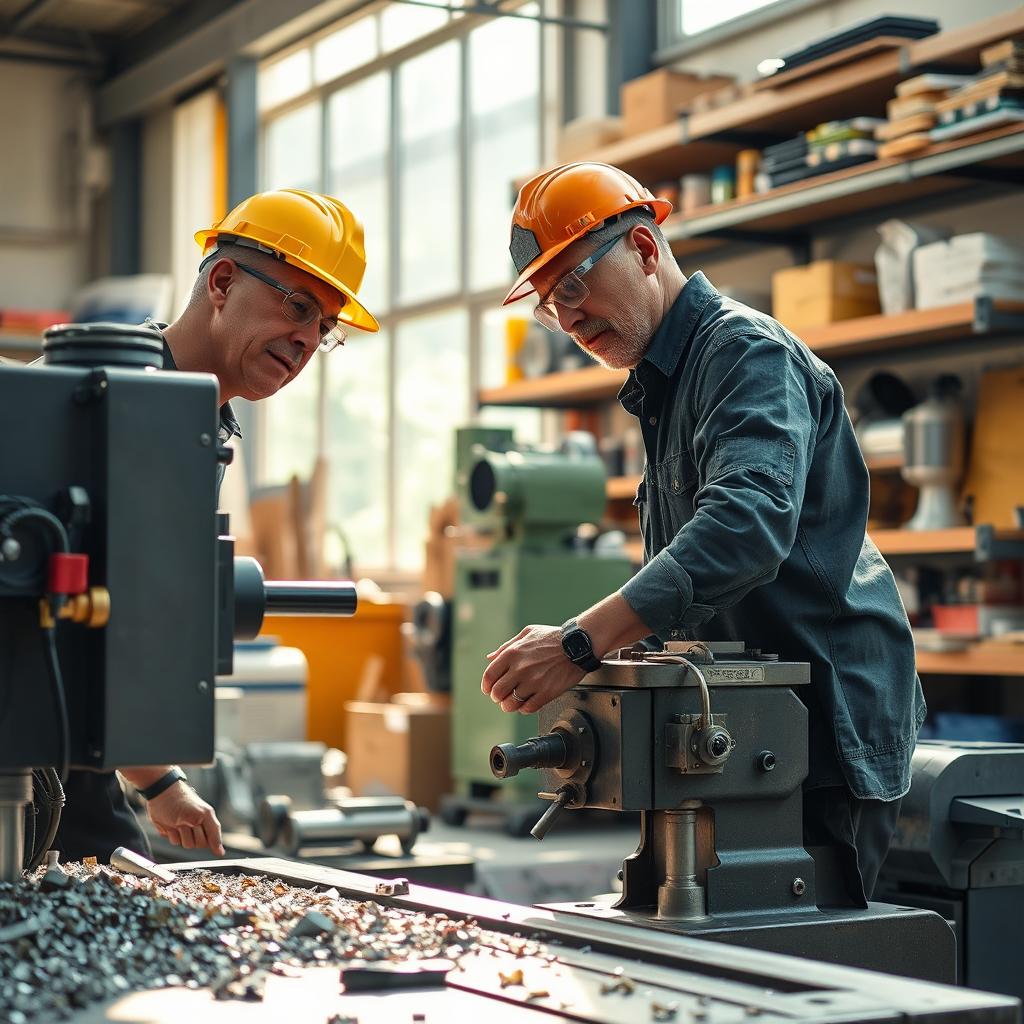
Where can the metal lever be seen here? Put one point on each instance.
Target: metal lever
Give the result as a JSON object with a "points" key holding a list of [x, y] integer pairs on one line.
{"points": [[565, 796]]}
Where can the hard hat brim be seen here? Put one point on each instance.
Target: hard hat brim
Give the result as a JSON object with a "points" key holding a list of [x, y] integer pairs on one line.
{"points": [[352, 312], [522, 286]]}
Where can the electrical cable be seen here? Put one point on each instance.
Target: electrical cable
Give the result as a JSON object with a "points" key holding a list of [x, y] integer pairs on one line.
{"points": [[57, 688], [47, 781]]}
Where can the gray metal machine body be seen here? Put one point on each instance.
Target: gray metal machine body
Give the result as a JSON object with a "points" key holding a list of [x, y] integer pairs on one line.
{"points": [[709, 743], [959, 850]]}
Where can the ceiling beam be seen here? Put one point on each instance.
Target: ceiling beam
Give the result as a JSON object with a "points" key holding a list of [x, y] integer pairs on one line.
{"points": [[252, 28]]}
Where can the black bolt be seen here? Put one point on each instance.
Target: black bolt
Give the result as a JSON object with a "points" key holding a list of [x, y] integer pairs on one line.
{"points": [[766, 761], [719, 745]]}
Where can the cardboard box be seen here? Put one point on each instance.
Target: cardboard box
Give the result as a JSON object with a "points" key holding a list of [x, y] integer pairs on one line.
{"points": [[579, 138], [402, 748], [656, 99], [822, 292]]}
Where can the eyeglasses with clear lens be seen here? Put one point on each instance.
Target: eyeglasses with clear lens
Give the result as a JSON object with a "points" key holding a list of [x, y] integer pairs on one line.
{"points": [[301, 308], [570, 291]]}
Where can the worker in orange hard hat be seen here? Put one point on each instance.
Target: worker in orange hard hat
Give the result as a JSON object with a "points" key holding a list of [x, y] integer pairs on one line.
{"points": [[753, 504], [278, 279]]}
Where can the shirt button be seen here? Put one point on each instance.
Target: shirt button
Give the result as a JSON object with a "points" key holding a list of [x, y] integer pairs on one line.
{"points": [[653, 420]]}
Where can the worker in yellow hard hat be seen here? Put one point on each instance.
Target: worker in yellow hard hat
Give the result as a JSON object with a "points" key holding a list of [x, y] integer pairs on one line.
{"points": [[277, 280], [753, 503]]}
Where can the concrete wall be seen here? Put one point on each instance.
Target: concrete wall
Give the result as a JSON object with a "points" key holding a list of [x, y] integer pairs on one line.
{"points": [[46, 206]]}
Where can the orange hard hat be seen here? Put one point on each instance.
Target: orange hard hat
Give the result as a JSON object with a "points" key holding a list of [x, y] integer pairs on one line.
{"points": [[316, 233], [557, 207]]}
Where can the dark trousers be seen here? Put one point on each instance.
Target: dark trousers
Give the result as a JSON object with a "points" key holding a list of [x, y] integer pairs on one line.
{"points": [[97, 819], [859, 831]]}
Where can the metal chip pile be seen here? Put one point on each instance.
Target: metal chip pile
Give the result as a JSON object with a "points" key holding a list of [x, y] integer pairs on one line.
{"points": [[85, 933]]}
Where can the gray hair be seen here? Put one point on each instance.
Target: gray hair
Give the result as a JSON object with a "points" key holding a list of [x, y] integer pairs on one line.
{"points": [[624, 222]]}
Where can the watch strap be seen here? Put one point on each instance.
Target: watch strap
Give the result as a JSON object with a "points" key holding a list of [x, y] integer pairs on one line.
{"points": [[588, 661], [164, 783]]}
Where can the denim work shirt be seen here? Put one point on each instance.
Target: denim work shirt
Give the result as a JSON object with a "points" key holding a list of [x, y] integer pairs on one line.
{"points": [[753, 508]]}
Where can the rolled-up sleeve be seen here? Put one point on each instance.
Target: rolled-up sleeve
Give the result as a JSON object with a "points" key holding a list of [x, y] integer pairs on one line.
{"points": [[756, 410]]}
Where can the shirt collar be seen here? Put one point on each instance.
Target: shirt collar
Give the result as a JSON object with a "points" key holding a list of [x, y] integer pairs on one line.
{"points": [[661, 360], [228, 426]]}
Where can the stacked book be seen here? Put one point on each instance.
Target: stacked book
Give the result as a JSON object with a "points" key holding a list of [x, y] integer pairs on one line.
{"points": [[993, 97], [831, 146], [967, 266], [914, 113]]}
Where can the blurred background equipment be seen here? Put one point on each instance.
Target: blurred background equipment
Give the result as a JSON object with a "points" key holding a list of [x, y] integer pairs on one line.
{"points": [[537, 568], [934, 441]]}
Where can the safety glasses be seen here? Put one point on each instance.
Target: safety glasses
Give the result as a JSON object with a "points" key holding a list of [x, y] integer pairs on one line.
{"points": [[301, 308], [571, 290]]}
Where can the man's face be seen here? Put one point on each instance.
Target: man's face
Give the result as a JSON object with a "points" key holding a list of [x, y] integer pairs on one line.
{"points": [[616, 321], [258, 349]]}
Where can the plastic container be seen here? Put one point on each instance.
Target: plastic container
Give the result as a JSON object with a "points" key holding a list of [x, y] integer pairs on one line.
{"points": [[723, 184]]}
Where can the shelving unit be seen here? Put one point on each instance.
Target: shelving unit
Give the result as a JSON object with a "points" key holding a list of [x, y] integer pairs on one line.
{"points": [[783, 215], [700, 141], [860, 336]]}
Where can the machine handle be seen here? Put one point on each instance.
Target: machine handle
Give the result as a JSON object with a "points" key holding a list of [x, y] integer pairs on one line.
{"points": [[547, 819]]}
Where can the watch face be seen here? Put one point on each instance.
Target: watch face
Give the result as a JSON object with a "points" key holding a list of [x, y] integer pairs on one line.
{"points": [[576, 643]]}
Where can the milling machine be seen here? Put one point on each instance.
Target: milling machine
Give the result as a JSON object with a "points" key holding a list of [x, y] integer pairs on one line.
{"points": [[709, 743]]}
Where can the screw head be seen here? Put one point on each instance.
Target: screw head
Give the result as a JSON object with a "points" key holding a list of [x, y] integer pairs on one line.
{"points": [[203, 686], [10, 550], [205, 440], [799, 887], [766, 761]]}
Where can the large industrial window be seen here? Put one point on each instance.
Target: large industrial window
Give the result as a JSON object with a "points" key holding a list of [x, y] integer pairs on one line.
{"points": [[420, 120], [686, 25]]}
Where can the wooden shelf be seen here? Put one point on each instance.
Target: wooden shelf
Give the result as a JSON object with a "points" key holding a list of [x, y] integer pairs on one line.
{"points": [[772, 216], [565, 390], [699, 141], [959, 540], [983, 660], [845, 338], [868, 334]]}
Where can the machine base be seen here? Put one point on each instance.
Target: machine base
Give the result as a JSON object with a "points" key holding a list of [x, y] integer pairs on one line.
{"points": [[906, 941]]}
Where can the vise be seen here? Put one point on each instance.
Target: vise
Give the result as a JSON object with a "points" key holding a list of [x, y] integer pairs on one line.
{"points": [[708, 742]]}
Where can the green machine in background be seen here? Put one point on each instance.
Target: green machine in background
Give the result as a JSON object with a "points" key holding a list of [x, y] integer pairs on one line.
{"points": [[537, 569]]}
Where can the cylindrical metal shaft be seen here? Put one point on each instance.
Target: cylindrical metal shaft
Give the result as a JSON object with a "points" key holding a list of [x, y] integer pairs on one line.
{"points": [[294, 597], [509, 759], [15, 794], [681, 896]]}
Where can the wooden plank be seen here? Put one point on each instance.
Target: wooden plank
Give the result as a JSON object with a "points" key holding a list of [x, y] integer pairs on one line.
{"points": [[856, 52], [559, 390], [975, 661], [960, 539], [963, 46]]}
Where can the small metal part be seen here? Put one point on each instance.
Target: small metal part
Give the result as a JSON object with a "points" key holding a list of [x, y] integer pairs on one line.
{"points": [[799, 887], [367, 976], [52, 858], [10, 550], [766, 761], [392, 887], [135, 864]]}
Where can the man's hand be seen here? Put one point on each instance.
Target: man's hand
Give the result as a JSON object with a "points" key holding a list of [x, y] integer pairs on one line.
{"points": [[533, 665], [183, 818]]}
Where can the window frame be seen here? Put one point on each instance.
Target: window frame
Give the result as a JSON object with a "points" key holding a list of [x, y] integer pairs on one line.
{"points": [[476, 302], [672, 44]]}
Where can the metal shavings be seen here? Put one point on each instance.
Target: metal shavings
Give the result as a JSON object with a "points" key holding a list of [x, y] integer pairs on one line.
{"points": [[664, 1011], [510, 978]]}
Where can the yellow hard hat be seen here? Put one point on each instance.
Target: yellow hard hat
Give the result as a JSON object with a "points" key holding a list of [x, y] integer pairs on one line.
{"points": [[317, 234]]}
